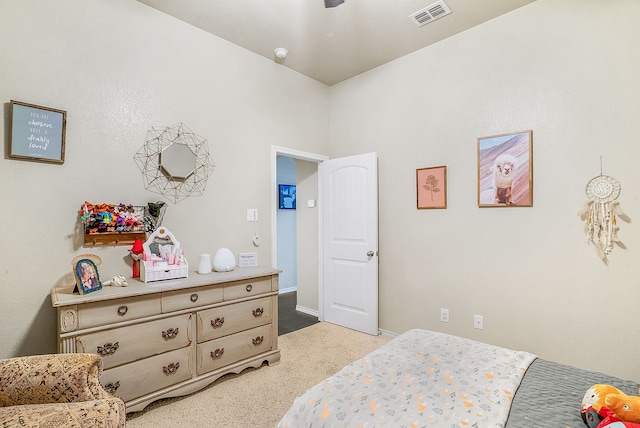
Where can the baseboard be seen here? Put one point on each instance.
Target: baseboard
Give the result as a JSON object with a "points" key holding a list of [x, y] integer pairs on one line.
{"points": [[287, 290], [388, 333], [306, 311]]}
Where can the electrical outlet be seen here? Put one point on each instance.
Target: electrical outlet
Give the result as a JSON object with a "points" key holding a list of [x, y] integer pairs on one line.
{"points": [[444, 315], [478, 322]]}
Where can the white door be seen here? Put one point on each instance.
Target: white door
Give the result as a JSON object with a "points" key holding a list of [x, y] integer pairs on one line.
{"points": [[349, 259]]}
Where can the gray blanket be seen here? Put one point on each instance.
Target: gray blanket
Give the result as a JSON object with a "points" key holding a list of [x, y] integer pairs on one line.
{"points": [[550, 395]]}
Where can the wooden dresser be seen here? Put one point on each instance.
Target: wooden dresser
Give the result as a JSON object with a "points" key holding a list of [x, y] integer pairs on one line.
{"points": [[171, 338]]}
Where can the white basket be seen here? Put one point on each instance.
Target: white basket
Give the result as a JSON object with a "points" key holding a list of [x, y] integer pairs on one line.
{"points": [[150, 273]]}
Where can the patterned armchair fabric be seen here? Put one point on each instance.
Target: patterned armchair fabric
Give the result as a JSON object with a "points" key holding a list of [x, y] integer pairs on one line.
{"points": [[57, 390]]}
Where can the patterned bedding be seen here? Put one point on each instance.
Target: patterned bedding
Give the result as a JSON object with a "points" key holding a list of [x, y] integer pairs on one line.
{"points": [[421, 378]]}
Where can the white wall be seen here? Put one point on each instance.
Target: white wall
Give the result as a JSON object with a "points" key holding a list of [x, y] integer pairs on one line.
{"points": [[307, 234], [568, 70], [119, 68]]}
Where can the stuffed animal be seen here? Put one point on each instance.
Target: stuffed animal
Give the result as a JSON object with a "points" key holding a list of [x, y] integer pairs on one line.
{"points": [[117, 281], [606, 406], [625, 407]]}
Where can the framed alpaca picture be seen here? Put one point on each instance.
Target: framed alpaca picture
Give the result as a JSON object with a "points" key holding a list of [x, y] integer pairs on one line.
{"points": [[505, 170], [86, 273], [431, 187]]}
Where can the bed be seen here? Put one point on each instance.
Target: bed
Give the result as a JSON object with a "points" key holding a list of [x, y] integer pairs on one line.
{"points": [[429, 379]]}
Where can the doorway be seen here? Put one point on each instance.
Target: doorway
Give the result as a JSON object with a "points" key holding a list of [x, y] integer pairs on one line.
{"points": [[298, 258], [346, 191]]}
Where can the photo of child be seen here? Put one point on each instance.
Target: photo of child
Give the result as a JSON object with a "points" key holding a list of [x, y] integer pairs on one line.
{"points": [[87, 278]]}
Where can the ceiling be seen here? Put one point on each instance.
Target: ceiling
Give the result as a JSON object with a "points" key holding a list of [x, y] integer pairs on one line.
{"points": [[332, 44]]}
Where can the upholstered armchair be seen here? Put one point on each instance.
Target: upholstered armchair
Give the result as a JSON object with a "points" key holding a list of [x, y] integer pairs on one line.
{"points": [[58, 390]]}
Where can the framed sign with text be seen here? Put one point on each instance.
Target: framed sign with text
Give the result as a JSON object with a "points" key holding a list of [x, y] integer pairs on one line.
{"points": [[36, 133]]}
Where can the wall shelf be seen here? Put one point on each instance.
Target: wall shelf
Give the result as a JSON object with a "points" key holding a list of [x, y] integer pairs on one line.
{"points": [[113, 238]]}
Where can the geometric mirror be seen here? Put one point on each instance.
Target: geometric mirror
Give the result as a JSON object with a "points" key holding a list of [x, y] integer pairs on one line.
{"points": [[174, 162]]}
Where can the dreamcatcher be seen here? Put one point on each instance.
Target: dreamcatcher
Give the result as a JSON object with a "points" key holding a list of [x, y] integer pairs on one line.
{"points": [[600, 213]]}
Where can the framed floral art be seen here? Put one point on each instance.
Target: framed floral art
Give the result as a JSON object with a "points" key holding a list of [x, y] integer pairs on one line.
{"points": [[431, 187]]}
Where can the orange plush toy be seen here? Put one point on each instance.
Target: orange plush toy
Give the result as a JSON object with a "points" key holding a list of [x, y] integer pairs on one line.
{"points": [[603, 405]]}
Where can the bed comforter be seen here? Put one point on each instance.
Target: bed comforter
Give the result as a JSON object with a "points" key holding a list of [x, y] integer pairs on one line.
{"points": [[430, 379], [421, 378]]}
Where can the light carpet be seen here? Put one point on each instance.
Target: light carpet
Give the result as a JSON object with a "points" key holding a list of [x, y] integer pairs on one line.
{"points": [[260, 397]]}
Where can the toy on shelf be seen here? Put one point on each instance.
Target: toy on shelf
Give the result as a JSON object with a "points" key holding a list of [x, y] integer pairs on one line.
{"points": [[136, 254], [162, 257]]}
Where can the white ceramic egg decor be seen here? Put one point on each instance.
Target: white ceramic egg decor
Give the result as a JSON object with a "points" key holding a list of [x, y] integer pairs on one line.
{"points": [[224, 260]]}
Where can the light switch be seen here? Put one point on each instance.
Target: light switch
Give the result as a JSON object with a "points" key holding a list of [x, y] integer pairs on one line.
{"points": [[311, 203], [252, 214]]}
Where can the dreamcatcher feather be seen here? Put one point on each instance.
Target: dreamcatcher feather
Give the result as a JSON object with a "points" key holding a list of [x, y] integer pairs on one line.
{"points": [[601, 212]]}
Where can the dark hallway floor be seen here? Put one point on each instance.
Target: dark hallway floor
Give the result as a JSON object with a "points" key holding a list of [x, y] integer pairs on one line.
{"points": [[288, 318]]}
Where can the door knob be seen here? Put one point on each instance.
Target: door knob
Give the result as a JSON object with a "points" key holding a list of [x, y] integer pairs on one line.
{"points": [[370, 253]]}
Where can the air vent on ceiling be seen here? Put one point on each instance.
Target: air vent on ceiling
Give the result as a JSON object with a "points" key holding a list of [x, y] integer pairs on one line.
{"points": [[430, 13]]}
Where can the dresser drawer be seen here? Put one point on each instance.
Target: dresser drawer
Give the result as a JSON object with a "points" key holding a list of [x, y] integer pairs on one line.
{"points": [[218, 353], [242, 289], [151, 374], [187, 299], [229, 319], [117, 310], [124, 344]]}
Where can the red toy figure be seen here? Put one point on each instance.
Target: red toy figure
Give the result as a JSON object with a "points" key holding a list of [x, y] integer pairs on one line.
{"points": [[136, 254]]}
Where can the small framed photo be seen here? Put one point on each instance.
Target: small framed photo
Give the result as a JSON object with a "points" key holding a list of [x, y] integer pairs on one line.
{"points": [[431, 187], [87, 277], [287, 200], [36, 133], [505, 170]]}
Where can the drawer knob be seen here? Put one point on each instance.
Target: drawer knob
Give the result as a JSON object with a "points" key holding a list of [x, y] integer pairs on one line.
{"points": [[112, 387], [171, 368], [194, 297], [108, 349], [170, 333], [217, 354], [217, 323], [258, 312], [258, 340], [249, 288], [122, 310]]}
